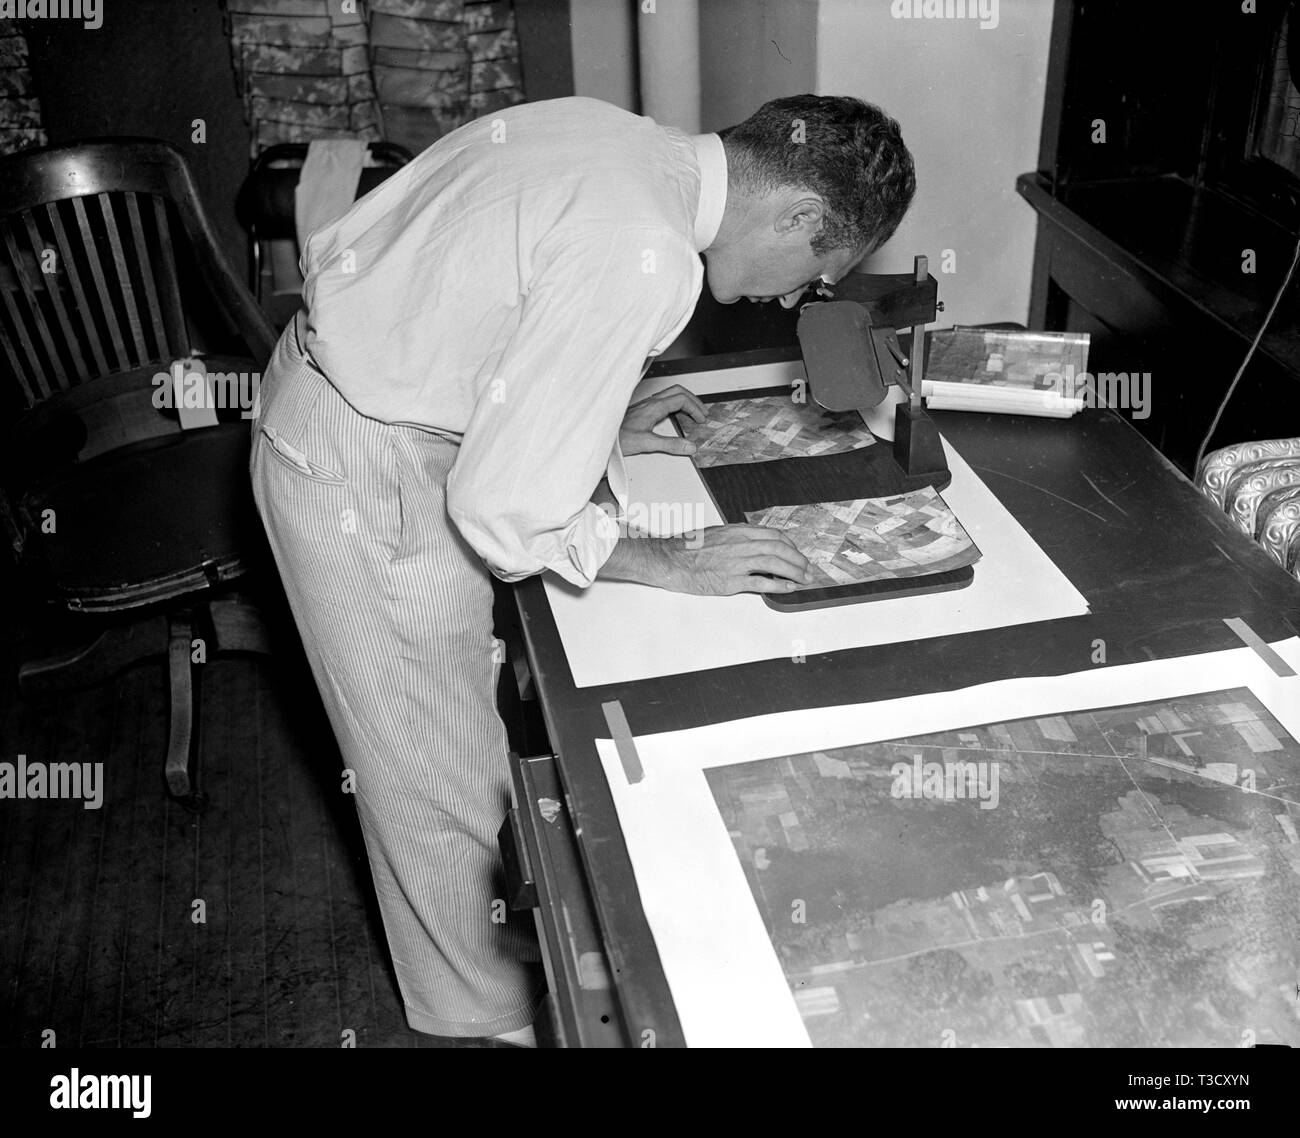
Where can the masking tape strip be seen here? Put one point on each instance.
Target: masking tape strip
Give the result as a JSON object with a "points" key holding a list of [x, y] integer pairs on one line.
{"points": [[1253, 640], [622, 736]]}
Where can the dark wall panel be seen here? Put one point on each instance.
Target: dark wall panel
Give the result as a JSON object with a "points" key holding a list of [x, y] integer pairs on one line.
{"points": [[546, 47], [151, 69]]}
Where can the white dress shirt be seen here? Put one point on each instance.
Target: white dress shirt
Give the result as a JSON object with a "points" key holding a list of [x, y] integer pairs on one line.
{"points": [[504, 290]]}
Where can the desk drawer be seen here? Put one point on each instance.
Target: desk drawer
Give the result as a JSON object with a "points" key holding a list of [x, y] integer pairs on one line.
{"points": [[543, 872]]}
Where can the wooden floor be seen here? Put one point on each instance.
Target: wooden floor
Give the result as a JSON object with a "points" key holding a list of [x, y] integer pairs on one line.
{"points": [[99, 941]]}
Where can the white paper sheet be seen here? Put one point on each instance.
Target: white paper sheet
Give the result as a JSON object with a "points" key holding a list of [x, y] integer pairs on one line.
{"points": [[728, 985], [615, 631]]}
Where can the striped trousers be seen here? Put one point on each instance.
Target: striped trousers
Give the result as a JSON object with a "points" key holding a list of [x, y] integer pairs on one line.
{"points": [[395, 612]]}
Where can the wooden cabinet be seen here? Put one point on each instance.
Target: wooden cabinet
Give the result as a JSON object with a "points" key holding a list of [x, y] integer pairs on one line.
{"points": [[1168, 199]]}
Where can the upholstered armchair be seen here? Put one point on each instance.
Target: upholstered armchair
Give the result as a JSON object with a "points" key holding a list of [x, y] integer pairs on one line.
{"points": [[1258, 486]]}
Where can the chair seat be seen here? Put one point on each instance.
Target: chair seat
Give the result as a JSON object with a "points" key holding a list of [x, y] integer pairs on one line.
{"points": [[148, 521], [89, 419]]}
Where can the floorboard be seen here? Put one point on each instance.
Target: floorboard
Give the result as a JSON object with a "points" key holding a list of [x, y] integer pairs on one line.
{"points": [[100, 938]]}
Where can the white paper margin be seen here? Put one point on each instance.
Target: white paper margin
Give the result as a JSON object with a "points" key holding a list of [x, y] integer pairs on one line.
{"points": [[618, 632], [728, 985]]}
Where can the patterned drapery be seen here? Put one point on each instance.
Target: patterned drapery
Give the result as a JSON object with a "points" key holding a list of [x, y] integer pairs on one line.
{"points": [[20, 110], [405, 70]]}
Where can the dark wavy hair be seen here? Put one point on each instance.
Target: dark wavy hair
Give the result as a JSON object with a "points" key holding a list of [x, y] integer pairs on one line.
{"points": [[848, 151]]}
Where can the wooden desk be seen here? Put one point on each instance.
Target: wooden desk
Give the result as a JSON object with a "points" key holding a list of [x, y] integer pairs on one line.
{"points": [[1159, 566]]}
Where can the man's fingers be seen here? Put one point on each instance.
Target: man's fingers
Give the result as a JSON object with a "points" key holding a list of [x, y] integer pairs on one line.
{"points": [[696, 405], [771, 542], [667, 444], [776, 565], [763, 555], [677, 398], [768, 585], [650, 442], [760, 533]]}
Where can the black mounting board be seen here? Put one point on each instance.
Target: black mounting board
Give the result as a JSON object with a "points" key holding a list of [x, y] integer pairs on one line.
{"points": [[869, 472]]}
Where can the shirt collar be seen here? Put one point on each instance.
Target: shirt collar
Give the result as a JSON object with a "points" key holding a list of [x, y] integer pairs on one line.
{"points": [[712, 158]]}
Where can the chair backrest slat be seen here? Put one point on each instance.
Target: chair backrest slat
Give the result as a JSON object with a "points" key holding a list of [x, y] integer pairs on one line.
{"points": [[51, 280], [174, 314], [134, 315], [15, 365], [23, 274], [146, 263], [70, 266], [35, 367], [129, 304], [101, 285]]}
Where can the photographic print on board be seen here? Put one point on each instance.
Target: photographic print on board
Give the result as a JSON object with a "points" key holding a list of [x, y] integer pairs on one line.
{"points": [[873, 539], [1036, 361], [1108, 878], [771, 427]]}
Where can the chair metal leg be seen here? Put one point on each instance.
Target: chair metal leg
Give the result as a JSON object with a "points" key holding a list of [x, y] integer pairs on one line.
{"points": [[227, 623], [183, 713]]}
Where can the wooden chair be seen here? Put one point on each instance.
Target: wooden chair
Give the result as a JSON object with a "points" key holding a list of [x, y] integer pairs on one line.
{"points": [[110, 272], [266, 208]]}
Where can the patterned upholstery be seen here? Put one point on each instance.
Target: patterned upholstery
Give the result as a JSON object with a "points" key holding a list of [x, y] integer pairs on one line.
{"points": [[1279, 529], [1257, 485]]}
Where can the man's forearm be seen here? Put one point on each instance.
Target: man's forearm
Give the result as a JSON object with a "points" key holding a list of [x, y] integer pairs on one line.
{"points": [[644, 560], [715, 561], [638, 558]]}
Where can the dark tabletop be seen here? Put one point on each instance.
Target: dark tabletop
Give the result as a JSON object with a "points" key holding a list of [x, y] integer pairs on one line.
{"points": [[1158, 564]]}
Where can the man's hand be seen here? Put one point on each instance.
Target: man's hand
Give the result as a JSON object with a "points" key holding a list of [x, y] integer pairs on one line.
{"points": [[637, 435], [717, 561]]}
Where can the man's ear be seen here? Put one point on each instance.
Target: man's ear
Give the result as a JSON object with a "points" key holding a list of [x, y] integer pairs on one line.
{"points": [[802, 216]]}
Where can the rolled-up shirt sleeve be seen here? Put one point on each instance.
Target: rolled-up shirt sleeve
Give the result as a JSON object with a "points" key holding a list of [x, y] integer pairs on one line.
{"points": [[545, 424]]}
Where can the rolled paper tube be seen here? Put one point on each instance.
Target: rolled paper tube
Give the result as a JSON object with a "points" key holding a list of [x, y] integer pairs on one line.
{"points": [[1000, 396], [998, 391], [952, 403]]}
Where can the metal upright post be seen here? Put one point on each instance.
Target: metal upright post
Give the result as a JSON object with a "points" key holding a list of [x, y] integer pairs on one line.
{"points": [[922, 266]]}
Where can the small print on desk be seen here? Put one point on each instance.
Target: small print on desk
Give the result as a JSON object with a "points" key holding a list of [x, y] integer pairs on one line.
{"points": [[772, 427], [874, 539]]}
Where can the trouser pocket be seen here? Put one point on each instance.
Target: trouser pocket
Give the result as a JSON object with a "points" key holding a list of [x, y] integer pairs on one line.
{"points": [[283, 451]]}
